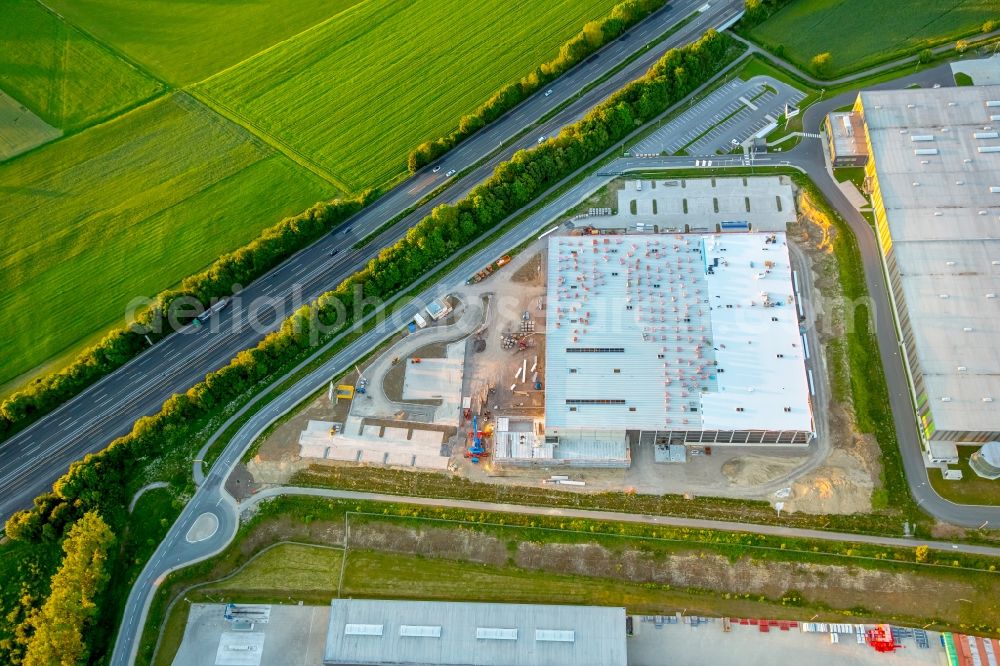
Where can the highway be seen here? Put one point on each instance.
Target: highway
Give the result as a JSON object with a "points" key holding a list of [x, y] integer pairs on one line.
{"points": [[179, 548], [33, 459]]}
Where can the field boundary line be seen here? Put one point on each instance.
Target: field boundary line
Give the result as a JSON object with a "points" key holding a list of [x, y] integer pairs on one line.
{"points": [[100, 43], [274, 142], [284, 41]]}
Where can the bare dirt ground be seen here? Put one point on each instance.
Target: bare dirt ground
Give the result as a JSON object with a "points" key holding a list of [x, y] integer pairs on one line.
{"points": [[901, 593], [840, 481]]}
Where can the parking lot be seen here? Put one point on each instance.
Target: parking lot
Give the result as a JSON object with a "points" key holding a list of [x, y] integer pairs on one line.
{"points": [[735, 111]]}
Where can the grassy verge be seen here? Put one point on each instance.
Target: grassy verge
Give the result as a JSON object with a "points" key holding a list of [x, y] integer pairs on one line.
{"points": [[515, 559], [963, 79], [972, 489], [854, 174], [614, 70], [864, 385]]}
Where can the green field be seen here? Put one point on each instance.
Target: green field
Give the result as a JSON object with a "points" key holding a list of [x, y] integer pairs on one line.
{"points": [[20, 129], [355, 95], [127, 209], [62, 75], [183, 42], [860, 33]]}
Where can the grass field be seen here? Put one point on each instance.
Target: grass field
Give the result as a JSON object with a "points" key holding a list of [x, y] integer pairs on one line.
{"points": [[20, 129], [126, 209], [184, 42], [860, 33], [62, 75], [355, 95]]}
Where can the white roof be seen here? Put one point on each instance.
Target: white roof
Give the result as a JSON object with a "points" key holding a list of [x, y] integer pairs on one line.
{"points": [[991, 453], [944, 224], [478, 634], [639, 325]]}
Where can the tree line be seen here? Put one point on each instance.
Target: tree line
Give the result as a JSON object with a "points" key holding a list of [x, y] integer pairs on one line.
{"points": [[98, 483], [274, 245], [592, 37]]}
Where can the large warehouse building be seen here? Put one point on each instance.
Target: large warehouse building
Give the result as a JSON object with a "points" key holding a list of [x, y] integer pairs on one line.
{"points": [[672, 339], [436, 633], [934, 173]]}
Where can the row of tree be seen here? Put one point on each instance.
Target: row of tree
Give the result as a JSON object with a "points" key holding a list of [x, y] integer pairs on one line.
{"points": [[593, 36], [240, 267], [99, 481], [758, 11], [55, 634]]}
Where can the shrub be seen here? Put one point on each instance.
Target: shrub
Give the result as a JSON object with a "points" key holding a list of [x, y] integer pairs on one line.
{"points": [[591, 38]]}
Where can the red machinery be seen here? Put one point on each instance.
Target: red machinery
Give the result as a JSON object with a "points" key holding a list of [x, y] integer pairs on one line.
{"points": [[880, 638]]}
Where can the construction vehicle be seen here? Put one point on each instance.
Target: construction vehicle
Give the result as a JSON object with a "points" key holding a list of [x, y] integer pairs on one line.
{"points": [[488, 270], [476, 451]]}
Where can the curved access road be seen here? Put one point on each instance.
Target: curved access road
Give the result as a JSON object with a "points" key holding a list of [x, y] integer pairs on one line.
{"points": [[615, 516], [809, 157], [33, 459], [176, 551]]}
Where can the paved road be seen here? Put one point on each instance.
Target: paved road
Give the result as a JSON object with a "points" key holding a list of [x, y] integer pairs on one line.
{"points": [[808, 156], [33, 459], [177, 550], [591, 514]]}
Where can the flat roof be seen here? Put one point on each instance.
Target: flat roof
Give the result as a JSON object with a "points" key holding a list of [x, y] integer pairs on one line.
{"points": [[369, 631], [848, 133], [673, 332], [936, 154]]}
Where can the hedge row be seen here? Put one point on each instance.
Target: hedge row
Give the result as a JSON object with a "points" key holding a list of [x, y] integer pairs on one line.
{"points": [[273, 246], [593, 36], [98, 481], [758, 11]]}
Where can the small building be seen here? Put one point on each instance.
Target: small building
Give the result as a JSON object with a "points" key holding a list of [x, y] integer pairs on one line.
{"points": [[438, 308], [845, 135], [365, 632], [986, 461]]}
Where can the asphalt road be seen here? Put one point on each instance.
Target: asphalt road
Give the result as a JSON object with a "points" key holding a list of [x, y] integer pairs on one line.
{"points": [[591, 514], [34, 458], [177, 551], [808, 156]]}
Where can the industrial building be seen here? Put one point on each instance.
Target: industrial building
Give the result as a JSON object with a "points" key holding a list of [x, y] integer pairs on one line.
{"points": [[436, 633], [670, 339], [934, 176], [845, 137]]}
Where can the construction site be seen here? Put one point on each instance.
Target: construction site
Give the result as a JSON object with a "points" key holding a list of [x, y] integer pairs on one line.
{"points": [[605, 355]]}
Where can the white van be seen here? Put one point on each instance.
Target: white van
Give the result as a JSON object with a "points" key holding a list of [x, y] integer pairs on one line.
{"points": [[419, 320]]}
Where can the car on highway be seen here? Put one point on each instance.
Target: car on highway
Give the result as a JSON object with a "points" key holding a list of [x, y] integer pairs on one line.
{"points": [[548, 92], [347, 231], [541, 139], [451, 172], [436, 168], [333, 253]]}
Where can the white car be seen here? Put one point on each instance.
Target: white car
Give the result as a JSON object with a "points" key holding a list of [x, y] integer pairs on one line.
{"points": [[451, 172], [541, 139], [548, 92], [436, 169]]}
